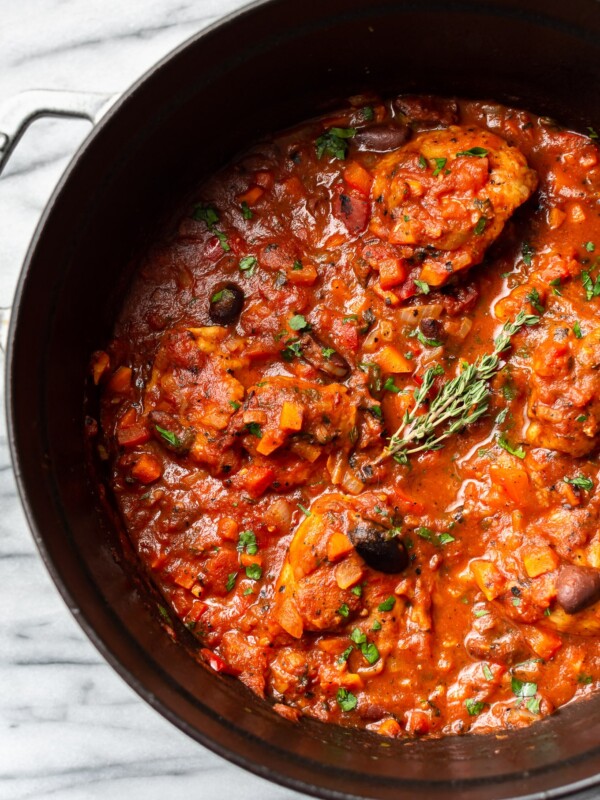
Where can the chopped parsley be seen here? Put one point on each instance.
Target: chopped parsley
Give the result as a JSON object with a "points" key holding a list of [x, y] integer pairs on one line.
{"points": [[577, 330], [473, 152], [427, 342], [440, 163], [480, 612], [592, 287], [527, 251], [231, 579], [474, 707], [481, 226], [357, 590], [422, 161], [246, 211], [248, 265], [297, 266], [367, 113], [390, 386], [506, 445], [168, 436], [376, 625], [446, 538], [592, 133], [581, 482], [534, 298], [345, 655], [304, 510], [298, 323], [292, 350], [589, 246], [533, 705], [254, 429], [346, 700], [235, 405], [422, 286], [334, 142], [387, 604], [487, 673], [584, 680], [327, 352], [254, 572], [343, 610], [206, 214], [523, 688], [223, 240], [247, 543]]}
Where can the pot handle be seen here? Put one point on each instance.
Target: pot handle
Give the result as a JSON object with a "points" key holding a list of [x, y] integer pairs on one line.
{"points": [[17, 113]]}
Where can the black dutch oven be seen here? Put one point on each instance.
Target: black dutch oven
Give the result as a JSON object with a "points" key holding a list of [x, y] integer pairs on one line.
{"points": [[266, 67]]}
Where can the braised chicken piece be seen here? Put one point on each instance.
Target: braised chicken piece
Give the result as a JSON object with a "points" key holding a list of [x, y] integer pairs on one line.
{"points": [[446, 196]]}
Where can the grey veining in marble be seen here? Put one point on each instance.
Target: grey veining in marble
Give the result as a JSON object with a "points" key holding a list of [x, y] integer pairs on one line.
{"points": [[70, 728]]}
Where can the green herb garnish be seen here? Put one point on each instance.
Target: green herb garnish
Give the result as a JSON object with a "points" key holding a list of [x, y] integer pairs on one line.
{"points": [[474, 152], [334, 142], [168, 436], [346, 700], [581, 482]]}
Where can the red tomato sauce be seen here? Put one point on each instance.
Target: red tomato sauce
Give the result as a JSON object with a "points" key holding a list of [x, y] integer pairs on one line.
{"points": [[351, 412]]}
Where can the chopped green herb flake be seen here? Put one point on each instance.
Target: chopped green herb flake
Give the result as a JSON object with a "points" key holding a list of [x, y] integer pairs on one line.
{"points": [[206, 214], [345, 655], [390, 386], [422, 286], [168, 436], [247, 542], [297, 266], [584, 680], [387, 604], [246, 211], [577, 330], [299, 323], [357, 590], [425, 341], [534, 298], [254, 429], [346, 700], [481, 226], [254, 572], [422, 161], [445, 538], [231, 579], [440, 163], [474, 152], [590, 247], [487, 673], [376, 625], [533, 705], [527, 251], [343, 610], [367, 113], [474, 707], [523, 688], [334, 142], [480, 612], [519, 452], [304, 510], [581, 482]]}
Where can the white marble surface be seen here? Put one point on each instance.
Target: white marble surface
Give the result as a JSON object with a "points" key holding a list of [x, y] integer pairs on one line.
{"points": [[70, 728]]}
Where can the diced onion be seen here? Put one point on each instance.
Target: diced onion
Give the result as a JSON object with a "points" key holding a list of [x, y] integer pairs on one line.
{"points": [[414, 314], [351, 484]]}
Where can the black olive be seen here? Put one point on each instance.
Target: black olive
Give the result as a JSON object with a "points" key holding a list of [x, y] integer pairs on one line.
{"points": [[226, 304], [432, 329], [381, 551], [577, 588], [382, 138]]}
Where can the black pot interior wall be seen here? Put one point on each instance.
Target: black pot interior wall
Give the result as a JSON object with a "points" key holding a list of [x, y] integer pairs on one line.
{"points": [[271, 67]]}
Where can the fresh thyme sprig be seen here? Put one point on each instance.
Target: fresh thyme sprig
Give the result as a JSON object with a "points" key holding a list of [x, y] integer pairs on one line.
{"points": [[458, 403]]}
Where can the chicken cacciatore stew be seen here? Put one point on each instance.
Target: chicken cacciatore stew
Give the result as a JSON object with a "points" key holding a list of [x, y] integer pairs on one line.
{"points": [[351, 416]]}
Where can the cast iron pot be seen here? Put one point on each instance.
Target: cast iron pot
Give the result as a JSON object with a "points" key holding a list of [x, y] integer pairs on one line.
{"points": [[261, 69]]}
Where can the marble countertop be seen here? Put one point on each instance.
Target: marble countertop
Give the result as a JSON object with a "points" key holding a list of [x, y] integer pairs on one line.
{"points": [[70, 728]]}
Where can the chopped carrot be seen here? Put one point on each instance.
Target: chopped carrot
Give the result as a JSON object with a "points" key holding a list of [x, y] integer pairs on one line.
{"points": [[120, 381], [392, 271], [348, 573], [100, 365], [269, 442], [434, 274], [389, 727], [556, 217], [257, 479], [488, 578], [389, 298], [290, 620], [358, 177], [246, 559], [417, 722], [128, 419], [306, 450], [146, 469], [254, 415], [251, 196], [539, 560], [512, 478], [543, 643], [391, 360], [184, 578], [227, 528], [305, 276], [338, 546], [291, 416]]}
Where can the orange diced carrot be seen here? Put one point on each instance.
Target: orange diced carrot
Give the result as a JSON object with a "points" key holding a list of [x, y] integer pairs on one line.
{"points": [[269, 442], [287, 712], [257, 479], [128, 419], [512, 478], [556, 217], [389, 727], [251, 196], [392, 271], [146, 469], [543, 643], [488, 578], [254, 415], [391, 360], [100, 365], [196, 611], [338, 546], [227, 528], [577, 213], [290, 620], [358, 177], [120, 381], [246, 559], [305, 276], [539, 560], [394, 406], [434, 274], [291, 416], [348, 573], [183, 578]]}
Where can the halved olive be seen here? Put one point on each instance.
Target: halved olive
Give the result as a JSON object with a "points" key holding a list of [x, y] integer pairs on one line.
{"points": [[577, 587], [381, 551], [226, 304]]}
